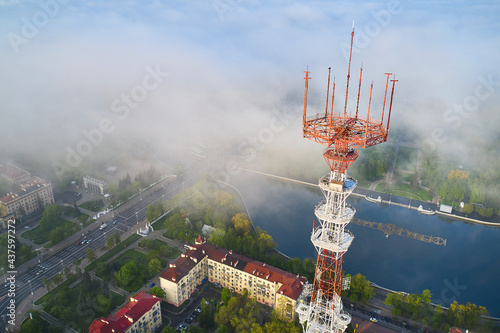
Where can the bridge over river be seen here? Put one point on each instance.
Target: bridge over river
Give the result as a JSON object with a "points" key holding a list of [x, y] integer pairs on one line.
{"points": [[391, 229]]}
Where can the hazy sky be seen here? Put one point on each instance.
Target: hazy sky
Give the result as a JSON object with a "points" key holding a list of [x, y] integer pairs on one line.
{"points": [[167, 71]]}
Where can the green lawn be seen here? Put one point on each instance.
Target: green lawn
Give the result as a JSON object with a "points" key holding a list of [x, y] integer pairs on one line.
{"points": [[407, 158], [130, 255], [39, 236], [114, 251], [93, 205], [404, 190], [157, 244], [160, 224]]}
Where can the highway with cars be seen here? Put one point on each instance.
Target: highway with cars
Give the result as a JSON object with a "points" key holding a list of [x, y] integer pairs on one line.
{"points": [[129, 215]]}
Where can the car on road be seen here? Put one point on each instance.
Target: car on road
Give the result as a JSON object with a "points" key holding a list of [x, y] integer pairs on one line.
{"points": [[39, 272], [115, 221], [103, 226], [27, 227]]}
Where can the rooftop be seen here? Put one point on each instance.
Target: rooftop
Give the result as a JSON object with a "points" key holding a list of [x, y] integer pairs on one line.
{"points": [[290, 285], [28, 186], [126, 316]]}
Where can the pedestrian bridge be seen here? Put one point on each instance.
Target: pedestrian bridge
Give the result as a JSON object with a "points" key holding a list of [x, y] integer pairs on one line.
{"points": [[391, 229]]}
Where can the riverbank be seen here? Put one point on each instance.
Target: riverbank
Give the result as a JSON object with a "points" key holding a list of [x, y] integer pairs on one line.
{"points": [[423, 207]]}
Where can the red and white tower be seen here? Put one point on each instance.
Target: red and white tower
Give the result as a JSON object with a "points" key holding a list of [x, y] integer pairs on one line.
{"points": [[342, 133]]}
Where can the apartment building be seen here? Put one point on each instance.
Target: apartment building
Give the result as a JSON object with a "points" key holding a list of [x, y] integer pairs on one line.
{"points": [[268, 285], [142, 314], [35, 194]]}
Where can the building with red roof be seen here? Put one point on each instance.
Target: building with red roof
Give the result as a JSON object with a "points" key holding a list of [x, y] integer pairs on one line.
{"points": [[141, 314], [268, 285]]}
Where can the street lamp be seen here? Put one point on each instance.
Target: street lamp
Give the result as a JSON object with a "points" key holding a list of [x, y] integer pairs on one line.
{"points": [[29, 281], [62, 266], [404, 326], [137, 217]]}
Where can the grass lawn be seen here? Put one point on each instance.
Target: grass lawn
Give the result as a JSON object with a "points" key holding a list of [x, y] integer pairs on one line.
{"points": [[129, 256], [364, 183], [407, 158], [114, 251], [404, 190], [158, 243], [160, 224], [407, 177], [39, 236], [93, 205]]}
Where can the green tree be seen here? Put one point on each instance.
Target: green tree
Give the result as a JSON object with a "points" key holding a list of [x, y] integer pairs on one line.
{"points": [[50, 214], [129, 272], [151, 213], [154, 266], [361, 289], [67, 272], [90, 255], [104, 302], [153, 254], [116, 235], [160, 207], [110, 242], [168, 329], [242, 224], [33, 325], [57, 279], [47, 283], [225, 295], [157, 291]]}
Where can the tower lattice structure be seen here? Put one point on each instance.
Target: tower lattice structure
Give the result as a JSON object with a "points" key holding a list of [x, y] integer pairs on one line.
{"points": [[343, 133]]}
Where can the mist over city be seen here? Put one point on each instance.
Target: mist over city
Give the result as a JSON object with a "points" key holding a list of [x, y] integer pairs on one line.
{"points": [[196, 107]]}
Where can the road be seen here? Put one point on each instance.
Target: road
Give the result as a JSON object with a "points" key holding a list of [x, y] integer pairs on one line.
{"points": [[128, 216]]}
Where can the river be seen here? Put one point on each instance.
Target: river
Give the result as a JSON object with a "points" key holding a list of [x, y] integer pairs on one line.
{"points": [[467, 269]]}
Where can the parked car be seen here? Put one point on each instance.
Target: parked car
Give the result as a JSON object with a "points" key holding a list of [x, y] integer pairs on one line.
{"points": [[152, 285], [188, 321], [373, 319]]}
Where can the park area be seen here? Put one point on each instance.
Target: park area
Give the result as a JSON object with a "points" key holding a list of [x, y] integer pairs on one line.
{"points": [[405, 190]]}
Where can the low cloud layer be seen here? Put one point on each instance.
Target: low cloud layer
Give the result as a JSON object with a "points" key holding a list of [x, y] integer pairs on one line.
{"points": [[67, 69]]}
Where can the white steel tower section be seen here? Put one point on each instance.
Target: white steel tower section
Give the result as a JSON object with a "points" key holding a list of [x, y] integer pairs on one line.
{"points": [[324, 313]]}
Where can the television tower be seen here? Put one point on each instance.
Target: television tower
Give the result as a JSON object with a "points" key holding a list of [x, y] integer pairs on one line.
{"points": [[342, 133]]}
